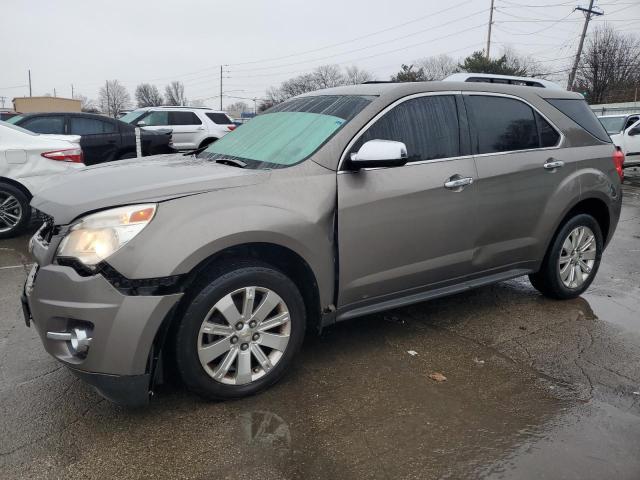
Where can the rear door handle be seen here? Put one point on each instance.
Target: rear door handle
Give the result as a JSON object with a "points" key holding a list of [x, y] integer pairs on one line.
{"points": [[458, 183], [553, 164]]}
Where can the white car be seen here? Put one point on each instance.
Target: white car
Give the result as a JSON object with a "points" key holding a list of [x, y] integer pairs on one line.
{"points": [[193, 127], [624, 131], [27, 161], [629, 143]]}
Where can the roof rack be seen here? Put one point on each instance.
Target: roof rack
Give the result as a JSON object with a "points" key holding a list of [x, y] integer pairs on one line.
{"points": [[502, 79]]}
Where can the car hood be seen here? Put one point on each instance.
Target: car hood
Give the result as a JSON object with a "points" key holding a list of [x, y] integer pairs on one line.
{"points": [[152, 179]]}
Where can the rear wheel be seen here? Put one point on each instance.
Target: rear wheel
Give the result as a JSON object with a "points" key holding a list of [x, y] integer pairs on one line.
{"points": [[241, 332], [15, 211], [573, 259], [206, 142]]}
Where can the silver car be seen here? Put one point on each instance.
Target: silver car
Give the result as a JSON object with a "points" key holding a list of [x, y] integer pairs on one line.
{"points": [[329, 206]]}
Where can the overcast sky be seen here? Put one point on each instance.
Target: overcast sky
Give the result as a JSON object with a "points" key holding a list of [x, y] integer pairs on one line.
{"points": [[85, 42]]}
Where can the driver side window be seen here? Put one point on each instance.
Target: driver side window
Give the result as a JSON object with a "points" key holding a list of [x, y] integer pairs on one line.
{"points": [[428, 126]]}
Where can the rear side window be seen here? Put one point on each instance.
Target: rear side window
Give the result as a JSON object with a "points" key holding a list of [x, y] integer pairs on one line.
{"points": [[52, 125], [549, 137], [184, 118], [219, 118], [428, 126], [578, 111], [90, 126], [501, 124]]}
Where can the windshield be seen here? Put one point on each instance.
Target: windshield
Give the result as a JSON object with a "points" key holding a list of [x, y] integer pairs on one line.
{"points": [[14, 119], [17, 128], [289, 132], [612, 125], [131, 116]]}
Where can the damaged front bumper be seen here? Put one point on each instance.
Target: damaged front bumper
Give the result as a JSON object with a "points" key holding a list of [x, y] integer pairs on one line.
{"points": [[121, 328]]}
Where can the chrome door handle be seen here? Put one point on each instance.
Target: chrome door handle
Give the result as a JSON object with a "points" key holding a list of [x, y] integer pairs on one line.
{"points": [[553, 164], [455, 182]]}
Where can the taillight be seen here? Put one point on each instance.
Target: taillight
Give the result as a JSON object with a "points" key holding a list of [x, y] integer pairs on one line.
{"points": [[70, 155], [231, 127], [618, 161]]}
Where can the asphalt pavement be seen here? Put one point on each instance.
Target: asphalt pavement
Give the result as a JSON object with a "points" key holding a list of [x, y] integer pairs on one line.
{"points": [[534, 389]]}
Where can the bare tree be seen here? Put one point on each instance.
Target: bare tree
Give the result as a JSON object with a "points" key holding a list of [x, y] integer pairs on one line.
{"points": [[437, 67], [196, 102], [609, 70], [236, 109], [174, 94], [113, 98], [325, 76], [354, 75], [148, 95], [86, 104]]}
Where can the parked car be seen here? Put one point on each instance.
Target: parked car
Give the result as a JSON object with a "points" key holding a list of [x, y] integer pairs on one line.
{"points": [[27, 161], [369, 197], [193, 127], [629, 143], [616, 124], [103, 139]]}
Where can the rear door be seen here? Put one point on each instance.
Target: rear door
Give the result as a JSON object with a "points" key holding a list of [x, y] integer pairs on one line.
{"points": [[100, 139], [188, 130], [519, 168], [400, 230]]}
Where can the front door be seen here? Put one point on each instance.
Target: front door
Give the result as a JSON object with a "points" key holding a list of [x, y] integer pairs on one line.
{"points": [[401, 229]]}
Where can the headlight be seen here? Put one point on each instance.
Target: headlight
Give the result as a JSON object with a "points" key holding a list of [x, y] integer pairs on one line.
{"points": [[95, 237]]}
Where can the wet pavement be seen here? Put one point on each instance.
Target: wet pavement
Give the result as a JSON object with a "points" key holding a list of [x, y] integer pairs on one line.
{"points": [[535, 389]]}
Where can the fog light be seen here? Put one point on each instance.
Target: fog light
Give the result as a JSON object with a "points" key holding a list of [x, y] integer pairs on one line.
{"points": [[78, 339]]}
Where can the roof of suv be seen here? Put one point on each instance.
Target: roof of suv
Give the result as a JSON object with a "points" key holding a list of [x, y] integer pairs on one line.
{"points": [[408, 88], [178, 107]]}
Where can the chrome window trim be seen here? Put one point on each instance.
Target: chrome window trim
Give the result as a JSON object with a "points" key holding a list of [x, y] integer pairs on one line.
{"points": [[449, 92], [361, 132]]}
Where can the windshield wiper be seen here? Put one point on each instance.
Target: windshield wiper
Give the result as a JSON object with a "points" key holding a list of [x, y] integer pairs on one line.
{"points": [[231, 161], [196, 151]]}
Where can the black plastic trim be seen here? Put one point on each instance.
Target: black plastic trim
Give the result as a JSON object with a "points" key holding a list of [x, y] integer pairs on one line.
{"points": [[132, 287], [125, 390]]}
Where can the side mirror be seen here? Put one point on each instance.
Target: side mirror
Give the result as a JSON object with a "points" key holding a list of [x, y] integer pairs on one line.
{"points": [[634, 131], [141, 123], [379, 153]]}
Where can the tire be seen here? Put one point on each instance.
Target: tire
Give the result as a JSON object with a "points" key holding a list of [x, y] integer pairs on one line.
{"points": [[127, 155], [206, 142], [223, 290], [554, 279], [13, 203]]}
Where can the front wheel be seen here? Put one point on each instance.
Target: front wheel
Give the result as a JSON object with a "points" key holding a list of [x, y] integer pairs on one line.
{"points": [[572, 261], [15, 211], [240, 333]]}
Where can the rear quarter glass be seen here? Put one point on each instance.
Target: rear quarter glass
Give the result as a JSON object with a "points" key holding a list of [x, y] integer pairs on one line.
{"points": [[578, 111]]}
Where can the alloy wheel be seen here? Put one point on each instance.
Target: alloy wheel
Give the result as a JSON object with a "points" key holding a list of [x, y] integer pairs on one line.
{"points": [[577, 257], [10, 212], [244, 335]]}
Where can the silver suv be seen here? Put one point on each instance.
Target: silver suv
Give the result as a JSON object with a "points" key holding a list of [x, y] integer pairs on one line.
{"points": [[332, 205]]}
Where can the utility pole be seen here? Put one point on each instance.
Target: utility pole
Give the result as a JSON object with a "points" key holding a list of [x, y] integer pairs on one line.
{"points": [[587, 17], [29, 82], [489, 30], [221, 87], [2, 99], [72, 95], [54, 92]]}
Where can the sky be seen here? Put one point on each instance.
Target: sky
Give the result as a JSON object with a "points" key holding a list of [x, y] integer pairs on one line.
{"points": [[263, 42]]}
